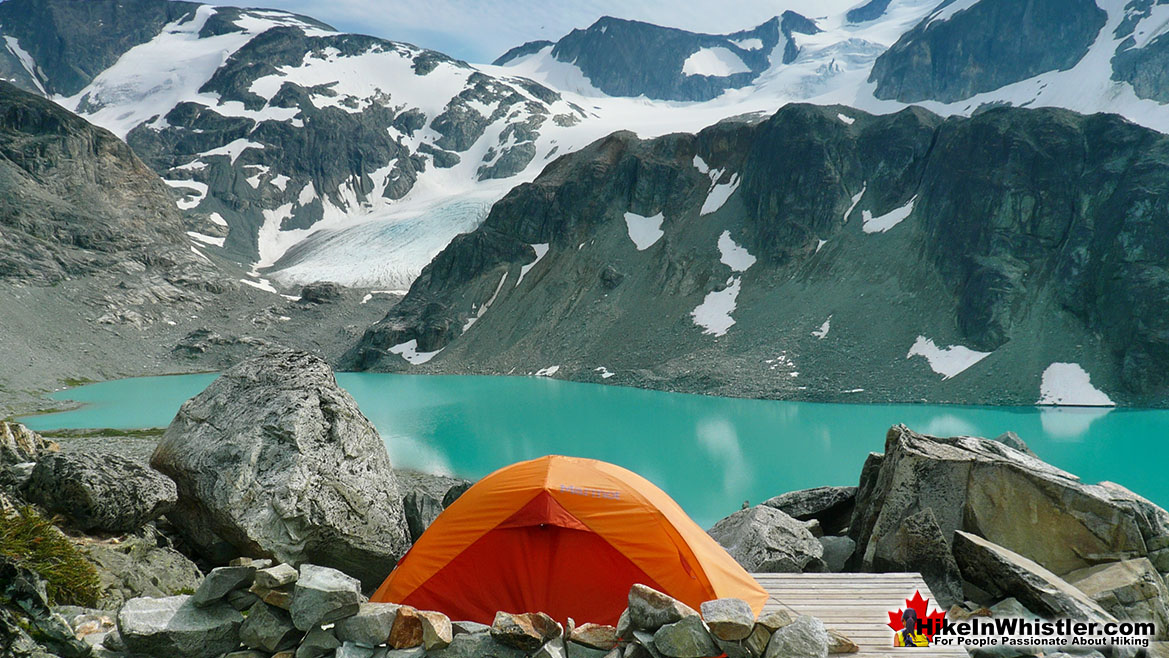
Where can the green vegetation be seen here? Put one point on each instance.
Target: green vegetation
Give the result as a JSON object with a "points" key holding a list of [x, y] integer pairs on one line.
{"points": [[146, 433], [36, 544], [73, 382]]}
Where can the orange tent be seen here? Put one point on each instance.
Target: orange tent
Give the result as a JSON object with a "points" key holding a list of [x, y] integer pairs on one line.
{"points": [[565, 536]]}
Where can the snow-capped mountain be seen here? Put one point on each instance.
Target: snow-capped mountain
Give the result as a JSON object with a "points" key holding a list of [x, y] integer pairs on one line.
{"points": [[273, 126]]}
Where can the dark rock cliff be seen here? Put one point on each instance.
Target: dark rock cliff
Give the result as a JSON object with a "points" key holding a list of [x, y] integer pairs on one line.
{"points": [[1037, 236]]}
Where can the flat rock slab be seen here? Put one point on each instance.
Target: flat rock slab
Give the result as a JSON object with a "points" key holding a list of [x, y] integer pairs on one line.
{"points": [[171, 626]]}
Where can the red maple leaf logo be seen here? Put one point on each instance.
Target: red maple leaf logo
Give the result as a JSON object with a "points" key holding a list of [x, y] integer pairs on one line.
{"points": [[919, 606]]}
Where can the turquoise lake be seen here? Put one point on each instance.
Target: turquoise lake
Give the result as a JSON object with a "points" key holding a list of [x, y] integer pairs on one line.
{"points": [[709, 453]]}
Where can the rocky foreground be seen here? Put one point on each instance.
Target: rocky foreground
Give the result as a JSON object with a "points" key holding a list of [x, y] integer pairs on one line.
{"points": [[270, 506]]}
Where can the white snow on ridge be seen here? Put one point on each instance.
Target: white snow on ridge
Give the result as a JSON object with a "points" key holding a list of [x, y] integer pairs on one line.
{"points": [[845, 118], [719, 194], [750, 43], [715, 62], [948, 361], [409, 351], [644, 231], [547, 372], [856, 198], [206, 239], [234, 149], [1069, 384], [732, 255], [605, 374], [541, 251], [946, 13], [714, 313], [26, 61], [483, 309], [888, 220], [700, 165]]}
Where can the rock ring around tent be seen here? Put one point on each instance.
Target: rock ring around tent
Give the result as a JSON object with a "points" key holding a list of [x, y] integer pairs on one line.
{"points": [[566, 536]]}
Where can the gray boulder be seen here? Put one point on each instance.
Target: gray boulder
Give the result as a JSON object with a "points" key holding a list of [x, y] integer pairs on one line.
{"points": [[764, 539], [831, 506], [918, 545], [100, 492], [986, 487], [370, 625], [685, 638], [354, 650], [1003, 573], [527, 632], [276, 459], [171, 626], [323, 595], [1131, 589], [728, 619], [268, 628], [1011, 439], [805, 637], [26, 614], [436, 630], [650, 609], [454, 492]]}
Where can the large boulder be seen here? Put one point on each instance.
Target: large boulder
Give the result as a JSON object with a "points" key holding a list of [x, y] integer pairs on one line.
{"points": [[918, 545], [1003, 573], [831, 506], [805, 637], [1131, 589], [765, 540], [685, 638], [990, 489], [20, 448], [277, 460], [99, 491], [323, 595], [650, 609], [171, 626]]}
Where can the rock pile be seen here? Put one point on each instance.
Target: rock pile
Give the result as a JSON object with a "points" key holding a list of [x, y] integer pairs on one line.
{"points": [[323, 613]]}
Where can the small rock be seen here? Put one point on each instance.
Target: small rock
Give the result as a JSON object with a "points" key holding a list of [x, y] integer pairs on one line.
{"points": [[276, 577], [268, 628], [597, 636], [416, 652], [407, 630], [646, 641], [839, 643], [687, 638], [316, 643], [753, 646], [476, 645], [321, 292], [454, 492], [353, 650], [805, 637], [323, 595], [650, 609], [574, 650], [551, 649], [241, 599], [171, 626], [220, 582], [1011, 439], [775, 620], [526, 632], [728, 619], [460, 627], [624, 626], [246, 653], [371, 625], [436, 630]]}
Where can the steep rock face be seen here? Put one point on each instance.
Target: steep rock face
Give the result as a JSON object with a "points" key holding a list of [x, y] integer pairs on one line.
{"points": [[266, 122], [964, 48], [275, 459], [74, 199], [1142, 58], [631, 58], [820, 251]]}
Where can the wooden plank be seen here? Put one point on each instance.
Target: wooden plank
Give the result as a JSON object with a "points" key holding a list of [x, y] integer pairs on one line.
{"points": [[856, 605]]}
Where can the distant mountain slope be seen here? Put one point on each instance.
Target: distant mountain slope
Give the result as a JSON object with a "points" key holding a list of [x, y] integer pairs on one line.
{"points": [[824, 253], [632, 58], [271, 125]]}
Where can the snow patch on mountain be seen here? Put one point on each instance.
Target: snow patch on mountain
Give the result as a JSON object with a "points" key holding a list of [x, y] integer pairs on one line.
{"points": [[409, 351], [949, 361], [714, 313], [719, 194], [644, 231], [541, 251], [715, 62], [888, 220], [732, 255], [1070, 385]]}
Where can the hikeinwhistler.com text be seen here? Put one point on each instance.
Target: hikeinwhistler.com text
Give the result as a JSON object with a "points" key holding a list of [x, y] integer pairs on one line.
{"points": [[1020, 632]]}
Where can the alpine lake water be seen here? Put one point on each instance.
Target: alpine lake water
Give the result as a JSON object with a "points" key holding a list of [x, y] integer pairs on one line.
{"points": [[709, 453]]}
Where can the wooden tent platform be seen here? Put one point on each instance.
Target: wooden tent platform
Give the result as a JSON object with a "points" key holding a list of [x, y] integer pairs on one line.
{"points": [[856, 604]]}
